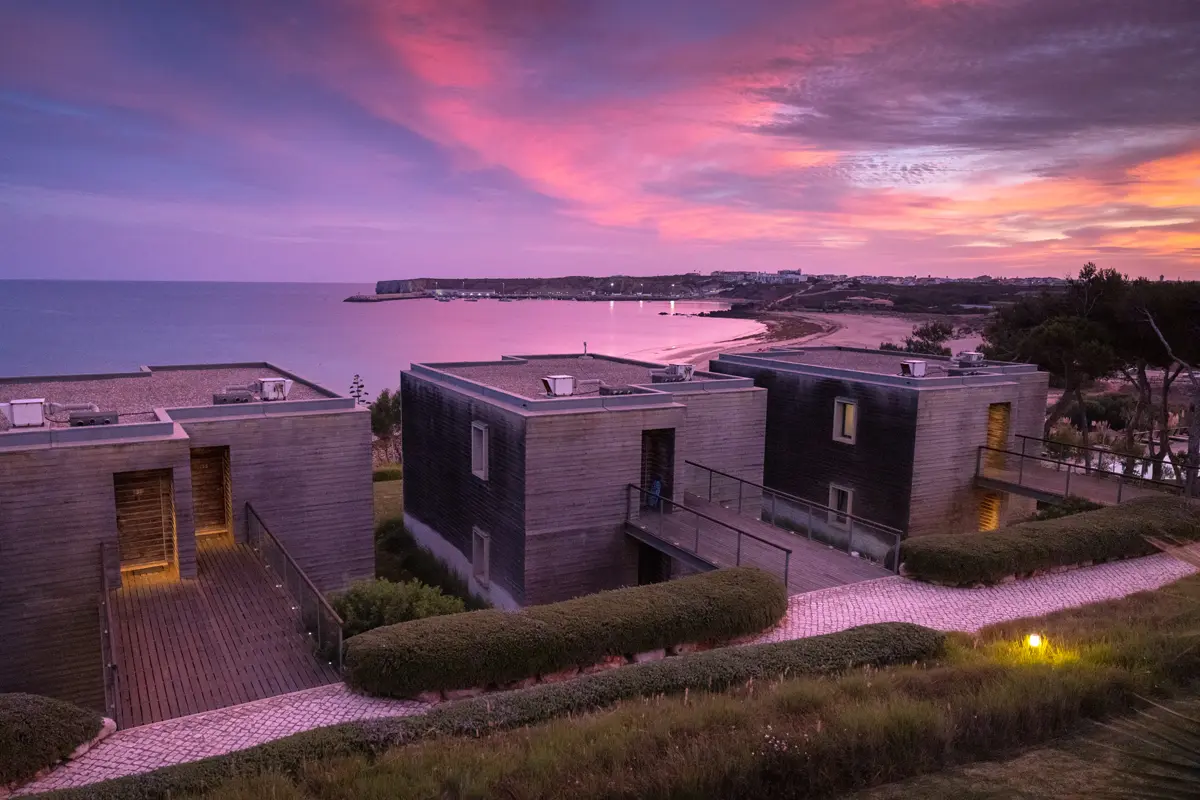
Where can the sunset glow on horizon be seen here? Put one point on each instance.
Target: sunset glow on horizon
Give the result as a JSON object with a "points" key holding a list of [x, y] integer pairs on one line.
{"points": [[358, 140]]}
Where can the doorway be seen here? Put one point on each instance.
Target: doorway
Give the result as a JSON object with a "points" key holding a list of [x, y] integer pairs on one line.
{"points": [[145, 503], [653, 566], [212, 491], [658, 466], [997, 433]]}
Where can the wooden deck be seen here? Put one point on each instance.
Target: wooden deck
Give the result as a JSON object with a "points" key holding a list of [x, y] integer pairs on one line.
{"points": [[229, 636], [1049, 485], [812, 565]]}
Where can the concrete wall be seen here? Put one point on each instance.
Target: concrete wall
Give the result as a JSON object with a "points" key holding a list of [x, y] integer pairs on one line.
{"points": [[802, 457], [309, 477], [578, 467], [56, 506], [441, 492], [952, 424]]}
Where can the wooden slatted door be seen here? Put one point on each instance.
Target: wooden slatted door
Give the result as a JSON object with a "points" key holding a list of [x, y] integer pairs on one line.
{"points": [[997, 433], [145, 519], [989, 512], [658, 464], [211, 491]]}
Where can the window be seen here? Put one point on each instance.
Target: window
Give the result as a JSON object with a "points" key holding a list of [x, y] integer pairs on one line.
{"points": [[479, 450], [841, 500], [481, 556], [845, 420]]}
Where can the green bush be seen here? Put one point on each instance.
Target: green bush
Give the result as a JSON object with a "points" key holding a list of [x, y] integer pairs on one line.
{"points": [[1069, 506], [399, 557], [391, 472], [714, 670], [489, 647], [367, 605], [37, 732], [1109, 533]]}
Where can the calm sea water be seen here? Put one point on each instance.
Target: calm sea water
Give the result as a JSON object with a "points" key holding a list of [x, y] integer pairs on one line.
{"points": [[58, 327]]}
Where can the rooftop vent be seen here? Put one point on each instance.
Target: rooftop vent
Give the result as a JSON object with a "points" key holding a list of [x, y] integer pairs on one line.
{"points": [[233, 397], [913, 368], [25, 413], [80, 419], [970, 358], [274, 388], [674, 373], [605, 389], [559, 385]]}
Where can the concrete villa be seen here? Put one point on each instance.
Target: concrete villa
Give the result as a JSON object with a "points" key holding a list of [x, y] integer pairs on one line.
{"points": [[142, 489]]}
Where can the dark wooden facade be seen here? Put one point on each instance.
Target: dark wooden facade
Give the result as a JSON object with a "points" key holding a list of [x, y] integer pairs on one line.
{"points": [[803, 458], [307, 473]]}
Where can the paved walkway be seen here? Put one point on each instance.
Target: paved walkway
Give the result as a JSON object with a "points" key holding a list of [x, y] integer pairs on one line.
{"points": [[891, 599]]}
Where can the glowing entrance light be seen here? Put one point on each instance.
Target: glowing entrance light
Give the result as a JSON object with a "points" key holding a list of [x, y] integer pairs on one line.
{"points": [[1034, 640]]}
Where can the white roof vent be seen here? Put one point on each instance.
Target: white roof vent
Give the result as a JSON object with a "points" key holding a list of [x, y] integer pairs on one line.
{"points": [[559, 385], [681, 372], [912, 369], [25, 413], [970, 358], [274, 388]]}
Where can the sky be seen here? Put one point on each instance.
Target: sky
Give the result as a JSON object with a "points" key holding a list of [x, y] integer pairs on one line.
{"points": [[355, 140]]}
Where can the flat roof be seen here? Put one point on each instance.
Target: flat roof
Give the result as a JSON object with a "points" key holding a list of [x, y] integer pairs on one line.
{"points": [[882, 365], [135, 395], [517, 380]]}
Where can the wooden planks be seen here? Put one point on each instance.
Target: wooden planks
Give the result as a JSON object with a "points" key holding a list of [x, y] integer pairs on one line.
{"points": [[227, 637], [812, 566]]}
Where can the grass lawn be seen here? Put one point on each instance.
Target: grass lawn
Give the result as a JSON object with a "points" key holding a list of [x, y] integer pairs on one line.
{"points": [[389, 500]]}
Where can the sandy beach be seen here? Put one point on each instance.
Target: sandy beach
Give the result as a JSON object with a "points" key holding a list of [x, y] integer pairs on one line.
{"points": [[848, 330]]}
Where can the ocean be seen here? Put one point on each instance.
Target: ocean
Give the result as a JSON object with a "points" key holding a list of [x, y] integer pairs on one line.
{"points": [[65, 327]]}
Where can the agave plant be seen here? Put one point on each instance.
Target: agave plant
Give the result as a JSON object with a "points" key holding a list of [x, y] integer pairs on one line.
{"points": [[1160, 749]]}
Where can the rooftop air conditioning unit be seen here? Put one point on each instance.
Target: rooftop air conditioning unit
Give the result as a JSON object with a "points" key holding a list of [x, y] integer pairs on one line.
{"points": [[970, 359], [682, 372], [606, 389], [912, 369], [274, 388], [25, 413], [232, 398], [559, 385]]}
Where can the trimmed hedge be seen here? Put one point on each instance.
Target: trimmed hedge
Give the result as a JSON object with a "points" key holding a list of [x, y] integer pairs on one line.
{"points": [[37, 732], [714, 670], [1110, 533], [484, 648], [367, 605]]}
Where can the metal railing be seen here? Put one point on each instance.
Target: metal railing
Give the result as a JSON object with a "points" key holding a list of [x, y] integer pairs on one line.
{"points": [[1100, 459], [818, 522], [683, 526], [316, 616], [1053, 476], [108, 659]]}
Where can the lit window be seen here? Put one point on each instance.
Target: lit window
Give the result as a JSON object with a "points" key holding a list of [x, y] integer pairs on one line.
{"points": [[481, 556], [845, 420], [479, 450], [841, 500]]}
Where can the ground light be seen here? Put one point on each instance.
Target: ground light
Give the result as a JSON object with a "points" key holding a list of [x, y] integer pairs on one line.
{"points": [[1034, 640]]}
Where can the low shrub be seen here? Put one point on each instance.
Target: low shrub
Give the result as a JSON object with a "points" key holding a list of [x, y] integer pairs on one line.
{"points": [[490, 647], [713, 670], [1113, 532], [399, 557], [367, 605], [37, 732], [390, 472], [1069, 506]]}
